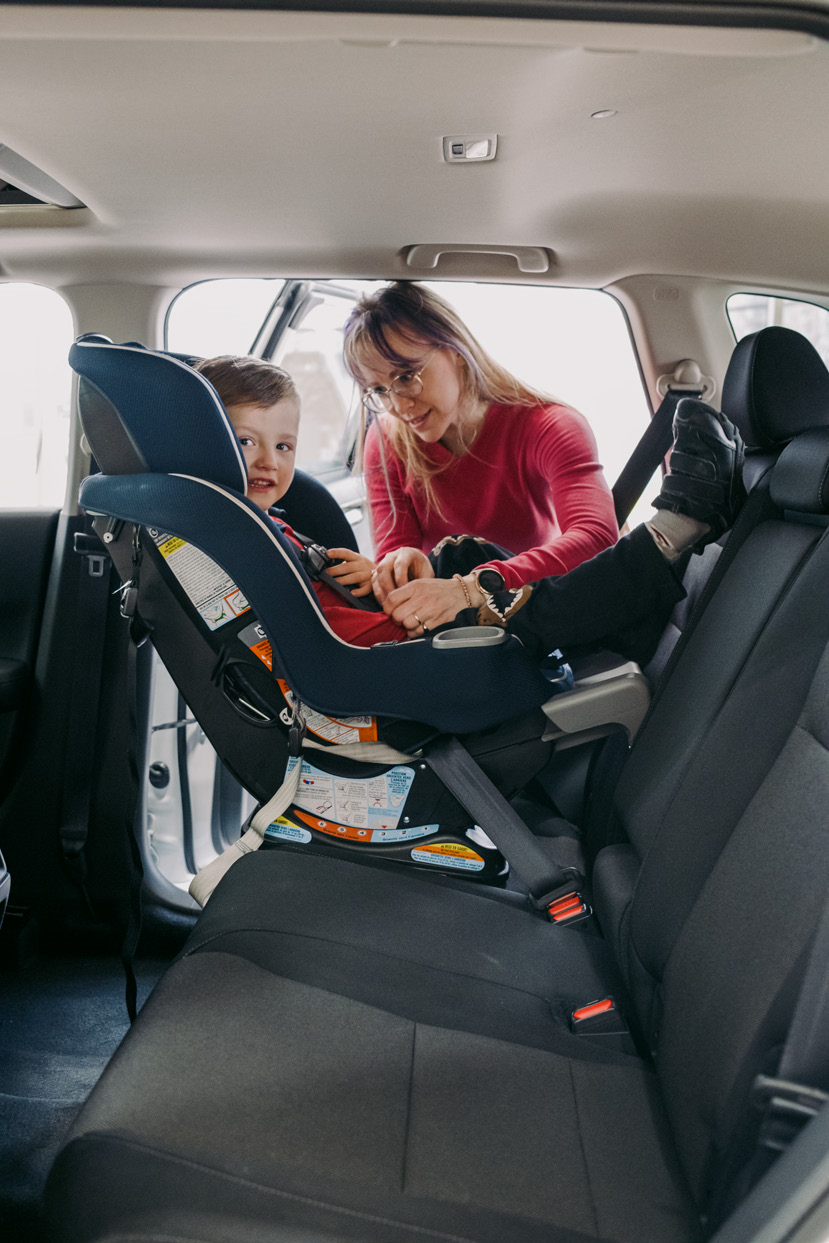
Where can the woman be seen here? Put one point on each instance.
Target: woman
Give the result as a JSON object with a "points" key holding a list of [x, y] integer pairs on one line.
{"points": [[457, 444]]}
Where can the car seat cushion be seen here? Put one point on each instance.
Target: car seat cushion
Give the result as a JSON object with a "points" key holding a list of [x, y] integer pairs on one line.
{"points": [[303, 1104]]}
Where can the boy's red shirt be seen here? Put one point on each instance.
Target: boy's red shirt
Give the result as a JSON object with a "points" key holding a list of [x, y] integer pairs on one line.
{"points": [[356, 626]]}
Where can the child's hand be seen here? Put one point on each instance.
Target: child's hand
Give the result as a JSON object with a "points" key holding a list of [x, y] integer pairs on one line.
{"points": [[353, 571]]}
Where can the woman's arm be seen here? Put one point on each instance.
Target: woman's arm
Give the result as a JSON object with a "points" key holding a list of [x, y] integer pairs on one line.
{"points": [[560, 455], [393, 518]]}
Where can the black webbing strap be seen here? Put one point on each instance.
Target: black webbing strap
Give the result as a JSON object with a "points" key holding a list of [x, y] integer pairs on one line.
{"points": [[132, 809], [93, 586], [654, 443], [315, 558], [544, 879], [800, 1089]]}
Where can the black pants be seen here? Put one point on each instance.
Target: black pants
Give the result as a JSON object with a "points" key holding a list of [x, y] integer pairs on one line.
{"points": [[621, 599]]}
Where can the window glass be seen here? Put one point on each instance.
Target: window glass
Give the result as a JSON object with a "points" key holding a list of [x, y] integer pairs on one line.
{"points": [[571, 343], [749, 312], [219, 317], [35, 335], [312, 353]]}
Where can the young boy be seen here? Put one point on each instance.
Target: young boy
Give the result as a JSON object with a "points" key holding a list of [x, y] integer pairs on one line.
{"points": [[621, 599]]}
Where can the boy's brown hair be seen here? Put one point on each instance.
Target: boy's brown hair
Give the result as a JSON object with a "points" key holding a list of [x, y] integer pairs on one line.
{"points": [[247, 381]]}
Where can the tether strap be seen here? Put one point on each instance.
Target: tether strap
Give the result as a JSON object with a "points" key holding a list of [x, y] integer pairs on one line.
{"points": [[79, 758], [459, 772], [132, 808], [202, 885], [654, 443]]}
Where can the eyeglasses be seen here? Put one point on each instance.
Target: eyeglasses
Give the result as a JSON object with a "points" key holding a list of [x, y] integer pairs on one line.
{"points": [[408, 384]]}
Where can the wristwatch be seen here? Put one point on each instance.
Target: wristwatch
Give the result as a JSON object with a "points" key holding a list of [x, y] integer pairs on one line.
{"points": [[488, 581]]}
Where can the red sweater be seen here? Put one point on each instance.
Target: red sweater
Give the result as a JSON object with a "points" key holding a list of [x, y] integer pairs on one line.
{"points": [[531, 481]]}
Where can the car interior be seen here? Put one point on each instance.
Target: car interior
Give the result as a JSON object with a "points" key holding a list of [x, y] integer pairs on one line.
{"points": [[578, 990]]}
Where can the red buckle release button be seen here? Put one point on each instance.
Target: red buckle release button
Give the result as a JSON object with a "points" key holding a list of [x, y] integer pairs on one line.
{"points": [[595, 1007]]}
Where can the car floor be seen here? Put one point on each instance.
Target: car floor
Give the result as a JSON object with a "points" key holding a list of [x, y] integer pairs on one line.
{"points": [[61, 1018]]}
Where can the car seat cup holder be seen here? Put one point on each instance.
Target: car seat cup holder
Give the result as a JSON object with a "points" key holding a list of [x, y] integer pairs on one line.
{"points": [[469, 636]]}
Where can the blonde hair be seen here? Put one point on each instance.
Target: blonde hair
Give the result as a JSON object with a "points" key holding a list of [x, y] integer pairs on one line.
{"points": [[422, 317]]}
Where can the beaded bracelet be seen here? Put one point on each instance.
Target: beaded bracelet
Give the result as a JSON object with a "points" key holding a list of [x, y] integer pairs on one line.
{"points": [[458, 579]]}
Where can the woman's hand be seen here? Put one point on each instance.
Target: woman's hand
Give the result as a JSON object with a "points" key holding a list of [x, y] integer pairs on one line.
{"points": [[425, 604], [399, 567], [354, 571]]}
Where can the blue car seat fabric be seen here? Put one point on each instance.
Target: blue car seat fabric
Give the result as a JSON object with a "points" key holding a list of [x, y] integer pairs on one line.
{"points": [[405, 1066], [199, 496]]}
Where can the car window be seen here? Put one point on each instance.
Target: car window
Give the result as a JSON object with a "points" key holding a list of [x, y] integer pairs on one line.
{"points": [[749, 312], [35, 335], [219, 317], [571, 343]]}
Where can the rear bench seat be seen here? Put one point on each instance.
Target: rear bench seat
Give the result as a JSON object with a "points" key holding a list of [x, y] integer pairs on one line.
{"points": [[348, 1053]]}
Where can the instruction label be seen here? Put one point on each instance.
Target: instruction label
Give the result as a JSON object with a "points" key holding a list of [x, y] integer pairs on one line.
{"points": [[449, 855], [283, 828], [212, 592], [254, 637], [373, 803], [339, 731]]}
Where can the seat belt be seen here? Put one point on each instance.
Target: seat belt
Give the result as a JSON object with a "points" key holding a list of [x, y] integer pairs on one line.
{"points": [[93, 589], [800, 1088], [549, 885], [653, 445]]}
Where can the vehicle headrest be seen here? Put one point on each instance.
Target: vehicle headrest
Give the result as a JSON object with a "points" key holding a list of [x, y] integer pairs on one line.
{"points": [[800, 479], [776, 387], [147, 411]]}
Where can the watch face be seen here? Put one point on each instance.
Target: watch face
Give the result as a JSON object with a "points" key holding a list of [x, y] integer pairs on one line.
{"points": [[490, 580]]}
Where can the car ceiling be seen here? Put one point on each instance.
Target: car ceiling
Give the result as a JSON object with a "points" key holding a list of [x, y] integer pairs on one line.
{"points": [[217, 142]]}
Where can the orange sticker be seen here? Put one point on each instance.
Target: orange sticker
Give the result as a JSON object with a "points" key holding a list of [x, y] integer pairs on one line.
{"points": [[330, 728], [265, 653], [450, 848], [346, 832]]}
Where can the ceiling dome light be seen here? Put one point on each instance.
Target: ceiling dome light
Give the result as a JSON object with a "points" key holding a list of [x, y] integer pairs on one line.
{"points": [[603, 114]]}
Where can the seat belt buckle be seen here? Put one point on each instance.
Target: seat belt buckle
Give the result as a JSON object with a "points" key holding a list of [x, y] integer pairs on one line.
{"points": [[602, 1021], [786, 1107], [570, 908]]}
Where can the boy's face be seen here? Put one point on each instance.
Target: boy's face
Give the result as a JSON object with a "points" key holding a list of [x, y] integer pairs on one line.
{"points": [[268, 436]]}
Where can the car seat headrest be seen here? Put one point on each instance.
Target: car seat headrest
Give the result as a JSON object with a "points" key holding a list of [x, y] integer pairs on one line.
{"points": [[776, 387], [147, 411], [800, 479]]}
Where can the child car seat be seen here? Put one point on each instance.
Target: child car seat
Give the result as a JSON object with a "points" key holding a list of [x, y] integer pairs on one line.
{"points": [[233, 615]]}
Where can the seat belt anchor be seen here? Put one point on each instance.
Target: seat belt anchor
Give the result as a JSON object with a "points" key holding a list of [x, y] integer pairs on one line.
{"points": [[786, 1107], [565, 904], [296, 732]]}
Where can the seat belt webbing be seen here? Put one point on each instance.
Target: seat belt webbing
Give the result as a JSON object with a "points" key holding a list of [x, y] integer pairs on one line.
{"points": [[79, 757], [459, 772], [653, 445]]}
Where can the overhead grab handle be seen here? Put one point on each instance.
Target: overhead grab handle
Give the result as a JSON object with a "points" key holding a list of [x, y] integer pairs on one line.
{"points": [[530, 259]]}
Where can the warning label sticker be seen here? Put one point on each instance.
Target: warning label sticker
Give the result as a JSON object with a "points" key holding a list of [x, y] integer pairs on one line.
{"points": [[374, 803], [289, 832], [213, 592], [254, 637], [346, 729], [449, 855]]}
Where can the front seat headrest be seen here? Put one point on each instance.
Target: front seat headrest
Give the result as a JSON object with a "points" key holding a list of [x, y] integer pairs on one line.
{"points": [[776, 387]]}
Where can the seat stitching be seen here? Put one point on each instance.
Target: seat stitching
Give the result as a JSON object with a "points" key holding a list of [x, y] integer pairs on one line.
{"points": [[305, 936], [408, 1110], [275, 1191], [581, 1150]]}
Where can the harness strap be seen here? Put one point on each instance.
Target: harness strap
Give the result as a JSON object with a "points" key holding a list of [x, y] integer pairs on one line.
{"points": [[314, 559]]}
